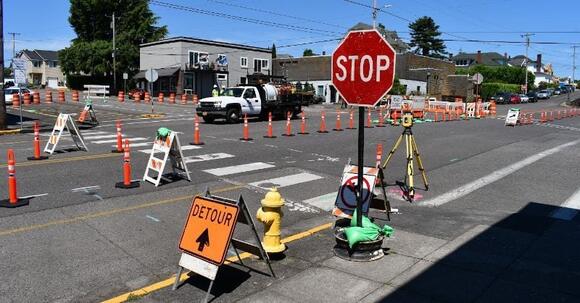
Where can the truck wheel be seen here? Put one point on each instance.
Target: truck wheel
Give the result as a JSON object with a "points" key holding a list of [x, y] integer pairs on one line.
{"points": [[208, 119], [233, 115]]}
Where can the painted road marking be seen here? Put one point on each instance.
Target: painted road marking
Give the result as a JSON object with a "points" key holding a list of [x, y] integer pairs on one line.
{"points": [[324, 202], [286, 181], [236, 169], [99, 137], [148, 150], [114, 140], [153, 218], [138, 144], [234, 259], [207, 157], [569, 209], [494, 176], [190, 147], [34, 196]]}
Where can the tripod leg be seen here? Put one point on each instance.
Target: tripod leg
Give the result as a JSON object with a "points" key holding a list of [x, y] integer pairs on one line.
{"points": [[387, 202], [393, 151], [420, 164], [409, 149]]}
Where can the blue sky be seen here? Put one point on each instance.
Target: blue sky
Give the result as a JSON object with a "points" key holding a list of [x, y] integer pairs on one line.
{"points": [[43, 24]]}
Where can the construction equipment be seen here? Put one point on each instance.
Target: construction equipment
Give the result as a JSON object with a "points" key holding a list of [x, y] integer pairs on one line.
{"points": [[412, 152]]}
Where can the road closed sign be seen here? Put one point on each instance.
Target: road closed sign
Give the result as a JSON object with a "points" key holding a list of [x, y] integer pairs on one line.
{"points": [[363, 67], [209, 229]]}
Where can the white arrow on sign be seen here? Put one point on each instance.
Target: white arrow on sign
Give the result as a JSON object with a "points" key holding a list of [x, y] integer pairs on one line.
{"points": [[151, 75]]}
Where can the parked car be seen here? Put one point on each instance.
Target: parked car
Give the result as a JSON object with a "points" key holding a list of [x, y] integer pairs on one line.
{"points": [[515, 99], [543, 94], [524, 98], [532, 97], [14, 90], [557, 91], [501, 98], [550, 92]]}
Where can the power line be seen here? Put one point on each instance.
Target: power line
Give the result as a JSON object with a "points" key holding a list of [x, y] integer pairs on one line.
{"points": [[243, 19], [254, 9]]}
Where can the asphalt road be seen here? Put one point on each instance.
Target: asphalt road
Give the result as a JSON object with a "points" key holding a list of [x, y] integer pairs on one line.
{"points": [[81, 239]]}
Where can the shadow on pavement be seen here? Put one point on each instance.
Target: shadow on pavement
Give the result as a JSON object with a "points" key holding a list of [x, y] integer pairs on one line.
{"points": [[526, 257]]}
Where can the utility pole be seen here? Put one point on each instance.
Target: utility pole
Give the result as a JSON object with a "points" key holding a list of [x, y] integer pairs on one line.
{"points": [[375, 10], [114, 57], [2, 103], [527, 36], [574, 64], [14, 43]]}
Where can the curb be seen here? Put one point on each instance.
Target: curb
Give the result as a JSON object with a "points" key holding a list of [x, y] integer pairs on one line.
{"points": [[9, 132]]}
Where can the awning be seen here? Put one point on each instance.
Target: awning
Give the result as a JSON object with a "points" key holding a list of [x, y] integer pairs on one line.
{"points": [[163, 72]]}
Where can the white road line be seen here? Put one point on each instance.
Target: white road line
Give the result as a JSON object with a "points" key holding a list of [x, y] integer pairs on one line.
{"points": [[90, 133], [286, 180], [190, 147], [569, 209], [207, 157], [324, 202], [494, 176], [236, 169], [138, 144], [86, 188], [99, 137], [153, 218], [34, 196], [114, 140]]}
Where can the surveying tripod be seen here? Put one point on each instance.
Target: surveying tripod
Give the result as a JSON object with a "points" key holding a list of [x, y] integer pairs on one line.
{"points": [[411, 149]]}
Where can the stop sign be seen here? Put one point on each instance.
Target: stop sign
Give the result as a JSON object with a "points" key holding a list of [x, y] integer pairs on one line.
{"points": [[363, 67]]}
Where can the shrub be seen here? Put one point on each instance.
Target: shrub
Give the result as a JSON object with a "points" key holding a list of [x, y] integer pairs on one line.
{"points": [[489, 90]]}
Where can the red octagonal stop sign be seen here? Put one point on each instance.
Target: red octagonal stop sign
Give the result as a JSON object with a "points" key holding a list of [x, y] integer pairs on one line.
{"points": [[363, 67]]}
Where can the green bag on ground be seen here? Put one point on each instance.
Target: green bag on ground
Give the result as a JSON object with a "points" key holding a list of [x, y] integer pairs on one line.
{"points": [[368, 232], [163, 132]]}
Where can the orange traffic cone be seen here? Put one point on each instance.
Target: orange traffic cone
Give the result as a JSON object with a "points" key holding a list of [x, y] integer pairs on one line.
{"points": [[36, 144], [75, 96], [288, 126], [379, 155], [13, 200], [26, 98], [369, 119], [246, 130], [322, 129], [270, 130], [338, 126], [15, 100], [183, 99], [36, 98], [83, 116], [48, 97], [171, 98], [196, 140], [351, 120], [381, 118], [160, 98], [303, 124], [119, 139], [127, 182]]}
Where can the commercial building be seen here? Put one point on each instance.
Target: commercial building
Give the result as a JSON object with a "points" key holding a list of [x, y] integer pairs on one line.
{"points": [[191, 65]]}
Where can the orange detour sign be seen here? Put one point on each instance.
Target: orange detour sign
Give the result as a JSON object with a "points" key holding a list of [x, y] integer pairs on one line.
{"points": [[209, 229]]}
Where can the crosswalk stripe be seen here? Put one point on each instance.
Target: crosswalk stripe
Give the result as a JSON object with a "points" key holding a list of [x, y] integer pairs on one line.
{"points": [[286, 180], [190, 147], [324, 202], [99, 137], [236, 169], [207, 157], [138, 144], [94, 132], [113, 141]]}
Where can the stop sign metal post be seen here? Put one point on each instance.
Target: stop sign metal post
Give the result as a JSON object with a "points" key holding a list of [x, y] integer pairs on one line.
{"points": [[363, 71], [151, 76]]}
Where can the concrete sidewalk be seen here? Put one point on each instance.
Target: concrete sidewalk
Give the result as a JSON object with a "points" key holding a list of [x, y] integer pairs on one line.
{"points": [[526, 257]]}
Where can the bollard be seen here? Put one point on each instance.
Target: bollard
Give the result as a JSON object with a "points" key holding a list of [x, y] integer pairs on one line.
{"points": [[195, 99], [303, 124], [36, 144], [270, 133], [171, 98], [183, 99], [147, 97], [15, 100], [26, 98], [351, 120], [288, 126], [13, 200], [160, 98], [338, 126], [61, 98], [270, 214], [246, 136], [196, 140], [119, 138], [127, 182], [322, 128], [121, 96]]}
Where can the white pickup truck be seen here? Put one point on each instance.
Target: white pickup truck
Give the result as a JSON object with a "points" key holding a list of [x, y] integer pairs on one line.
{"points": [[252, 100]]}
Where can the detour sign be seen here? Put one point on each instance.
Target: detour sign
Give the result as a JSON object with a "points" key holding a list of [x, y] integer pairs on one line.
{"points": [[208, 229]]}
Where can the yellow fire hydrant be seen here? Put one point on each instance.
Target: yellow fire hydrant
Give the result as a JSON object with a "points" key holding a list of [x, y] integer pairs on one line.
{"points": [[271, 215]]}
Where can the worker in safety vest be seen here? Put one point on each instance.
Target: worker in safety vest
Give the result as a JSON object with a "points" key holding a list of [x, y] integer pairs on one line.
{"points": [[215, 92]]}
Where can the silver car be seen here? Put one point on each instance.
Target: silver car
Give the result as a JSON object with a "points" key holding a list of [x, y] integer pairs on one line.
{"points": [[543, 94]]}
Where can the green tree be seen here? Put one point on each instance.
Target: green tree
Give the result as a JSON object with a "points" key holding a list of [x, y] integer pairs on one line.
{"points": [[307, 53], [274, 51], [500, 74], [425, 38], [7, 72], [91, 51]]}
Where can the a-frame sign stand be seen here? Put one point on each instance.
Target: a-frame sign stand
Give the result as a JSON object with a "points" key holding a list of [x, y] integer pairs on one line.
{"points": [[88, 109], [64, 121], [170, 147], [200, 265]]}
